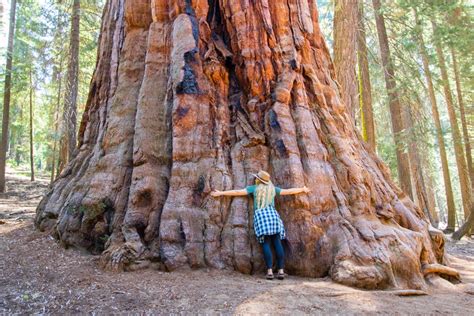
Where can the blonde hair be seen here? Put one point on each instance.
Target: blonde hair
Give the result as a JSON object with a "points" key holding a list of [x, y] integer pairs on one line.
{"points": [[264, 193]]}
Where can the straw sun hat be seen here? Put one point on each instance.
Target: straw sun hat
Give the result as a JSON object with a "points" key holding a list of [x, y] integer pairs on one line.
{"points": [[262, 176]]}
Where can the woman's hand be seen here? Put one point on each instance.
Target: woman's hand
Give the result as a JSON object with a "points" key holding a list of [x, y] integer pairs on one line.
{"points": [[216, 193], [306, 190]]}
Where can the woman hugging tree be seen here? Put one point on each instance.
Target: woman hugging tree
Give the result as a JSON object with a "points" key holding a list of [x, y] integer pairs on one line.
{"points": [[268, 225]]}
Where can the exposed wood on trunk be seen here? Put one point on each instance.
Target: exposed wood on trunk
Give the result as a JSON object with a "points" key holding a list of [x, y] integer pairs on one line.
{"points": [[365, 87], [464, 182], [6, 96], [192, 96], [403, 163], [439, 133], [345, 52]]}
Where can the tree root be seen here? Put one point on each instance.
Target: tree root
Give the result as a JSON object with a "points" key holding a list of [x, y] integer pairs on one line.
{"points": [[441, 270]]}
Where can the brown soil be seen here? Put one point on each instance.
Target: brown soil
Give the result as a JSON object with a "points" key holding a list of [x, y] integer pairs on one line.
{"points": [[37, 275]]}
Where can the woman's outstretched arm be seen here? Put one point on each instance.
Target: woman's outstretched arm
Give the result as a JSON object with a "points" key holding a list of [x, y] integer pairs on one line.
{"points": [[217, 193], [294, 191]]}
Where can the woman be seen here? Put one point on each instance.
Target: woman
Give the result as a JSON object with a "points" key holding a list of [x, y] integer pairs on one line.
{"points": [[267, 223]]}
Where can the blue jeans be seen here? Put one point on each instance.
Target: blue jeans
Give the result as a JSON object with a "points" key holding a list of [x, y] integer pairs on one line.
{"points": [[267, 251]]}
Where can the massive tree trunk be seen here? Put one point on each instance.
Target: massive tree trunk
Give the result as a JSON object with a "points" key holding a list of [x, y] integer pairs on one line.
{"points": [[365, 87], [396, 112], [345, 51], [6, 96], [464, 182], [191, 96], [439, 132]]}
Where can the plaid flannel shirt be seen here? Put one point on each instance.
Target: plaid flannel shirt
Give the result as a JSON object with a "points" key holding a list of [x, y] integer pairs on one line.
{"points": [[266, 221]]}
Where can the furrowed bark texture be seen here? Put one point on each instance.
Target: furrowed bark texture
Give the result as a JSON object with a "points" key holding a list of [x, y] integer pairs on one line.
{"points": [[191, 96]]}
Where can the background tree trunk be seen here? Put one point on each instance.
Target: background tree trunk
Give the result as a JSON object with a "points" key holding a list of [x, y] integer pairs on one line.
{"points": [[70, 106], [32, 160], [188, 97], [421, 191], [465, 132], [398, 126], [345, 51], [439, 133], [56, 121], [6, 96], [365, 87], [466, 190], [466, 227]]}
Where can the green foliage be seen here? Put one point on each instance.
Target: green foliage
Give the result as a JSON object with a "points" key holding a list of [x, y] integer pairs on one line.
{"points": [[41, 47], [454, 24]]}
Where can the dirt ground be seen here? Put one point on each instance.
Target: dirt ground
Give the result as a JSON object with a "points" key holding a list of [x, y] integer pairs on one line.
{"points": [[39, 276]]}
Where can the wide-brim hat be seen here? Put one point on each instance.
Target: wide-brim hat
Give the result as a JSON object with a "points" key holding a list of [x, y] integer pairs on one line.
{"points": [[262, 176]]}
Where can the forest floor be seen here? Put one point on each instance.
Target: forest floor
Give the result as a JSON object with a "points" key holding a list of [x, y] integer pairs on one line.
{"points": [[37, 275]]}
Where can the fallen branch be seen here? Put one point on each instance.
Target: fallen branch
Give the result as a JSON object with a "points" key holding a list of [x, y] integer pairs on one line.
{"points": [[409, 292]]}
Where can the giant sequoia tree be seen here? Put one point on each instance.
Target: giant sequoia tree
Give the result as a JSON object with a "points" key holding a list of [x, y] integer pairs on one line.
{"points": [[191, 96]]}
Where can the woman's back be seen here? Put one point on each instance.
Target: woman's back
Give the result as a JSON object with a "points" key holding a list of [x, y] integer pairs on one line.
{"points": [[263, 194]]}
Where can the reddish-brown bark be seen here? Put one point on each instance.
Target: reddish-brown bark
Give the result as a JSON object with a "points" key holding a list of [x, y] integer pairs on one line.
{"points": [[192, 96]]}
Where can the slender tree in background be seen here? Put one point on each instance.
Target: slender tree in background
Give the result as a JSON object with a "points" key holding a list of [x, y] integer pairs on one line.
{"points": [[7, 96], [345, 52], [451, 208], [403, 163], [464, 182], [58, 78], [32, 160], [420, 186], [462, 112], [467, 227], [454, 20], [365, 87], [56, 118], [70, 105]]}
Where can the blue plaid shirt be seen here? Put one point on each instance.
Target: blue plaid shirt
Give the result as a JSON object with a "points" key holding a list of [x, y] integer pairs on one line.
{"points": [[266, 221]]}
